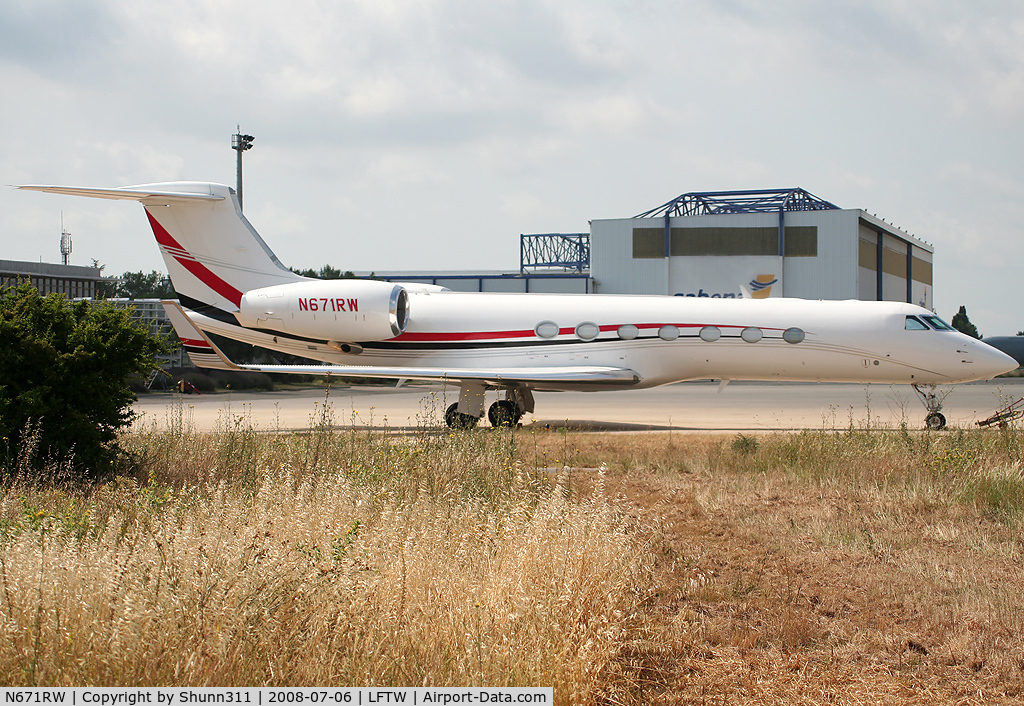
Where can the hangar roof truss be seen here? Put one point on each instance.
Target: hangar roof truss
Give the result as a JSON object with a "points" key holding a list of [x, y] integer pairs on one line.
{"points": [[704, 203], [567, 251]]}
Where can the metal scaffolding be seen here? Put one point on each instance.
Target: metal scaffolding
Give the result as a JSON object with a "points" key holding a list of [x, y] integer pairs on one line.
{"points": [[706, 203], [565, 251]]}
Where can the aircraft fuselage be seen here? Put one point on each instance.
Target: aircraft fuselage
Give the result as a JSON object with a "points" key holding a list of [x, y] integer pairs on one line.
{"points": [[662, 339]]}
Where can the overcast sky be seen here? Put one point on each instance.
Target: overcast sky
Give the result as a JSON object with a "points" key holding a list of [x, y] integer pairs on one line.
{"points": [[430, 134]]}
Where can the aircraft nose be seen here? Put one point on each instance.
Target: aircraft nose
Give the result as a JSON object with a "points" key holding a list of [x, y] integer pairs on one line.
{"points": [[991, 361]]}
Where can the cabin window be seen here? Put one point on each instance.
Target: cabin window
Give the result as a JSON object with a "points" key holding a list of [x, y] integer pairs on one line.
{"points": [[546, 329], [588, 331], [628, 332], [668, 332], [751, 334], [938, 324], [710, 333], [793, 335], [915, 324]]}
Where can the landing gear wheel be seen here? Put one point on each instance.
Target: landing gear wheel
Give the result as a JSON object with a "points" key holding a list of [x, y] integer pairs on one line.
{"points": [[456, 420], [933, 405], [503, 414]]}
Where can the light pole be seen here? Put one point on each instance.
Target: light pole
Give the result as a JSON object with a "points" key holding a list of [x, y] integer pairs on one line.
{"points": [[240, 143]]}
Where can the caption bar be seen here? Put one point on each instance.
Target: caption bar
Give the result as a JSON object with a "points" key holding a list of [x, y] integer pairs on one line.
{"points": [[270, 696]]}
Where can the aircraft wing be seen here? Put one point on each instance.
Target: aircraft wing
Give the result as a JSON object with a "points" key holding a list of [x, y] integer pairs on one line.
{"points": [[204, 353]]}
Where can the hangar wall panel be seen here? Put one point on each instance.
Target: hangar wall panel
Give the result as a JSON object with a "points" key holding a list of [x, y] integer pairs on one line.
{"points": [[867, 284], [613, 266], [833, 273], [507, 284], [558, 285], [459, 284], [725, 275], [723, 254], [921, 286], [829, 254], [902, 258]]}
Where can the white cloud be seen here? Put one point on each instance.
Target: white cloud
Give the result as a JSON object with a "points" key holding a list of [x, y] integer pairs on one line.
{"points": [[394, 168], [523, 205], [601, 114], [446, 127]]}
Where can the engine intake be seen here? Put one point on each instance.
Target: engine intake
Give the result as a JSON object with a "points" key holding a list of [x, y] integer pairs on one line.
{"points": [[344, 310]]}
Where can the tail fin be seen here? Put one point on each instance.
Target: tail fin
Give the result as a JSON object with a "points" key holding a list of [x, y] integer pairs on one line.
{"points": [[213, 254]]}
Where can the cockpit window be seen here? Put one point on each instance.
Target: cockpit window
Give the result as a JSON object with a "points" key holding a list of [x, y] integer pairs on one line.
{"points": [[938, 324], [915, 324]]}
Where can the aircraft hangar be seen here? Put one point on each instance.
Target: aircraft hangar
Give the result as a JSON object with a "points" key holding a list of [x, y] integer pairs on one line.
{"points": [[725, 244], [780, 242]]}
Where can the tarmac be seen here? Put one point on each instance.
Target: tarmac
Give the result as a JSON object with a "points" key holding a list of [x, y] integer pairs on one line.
{"points": [[691, 406]]}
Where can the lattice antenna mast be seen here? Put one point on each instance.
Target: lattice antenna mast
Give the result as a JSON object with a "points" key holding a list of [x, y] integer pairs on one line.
{"points": [[65, 241]]}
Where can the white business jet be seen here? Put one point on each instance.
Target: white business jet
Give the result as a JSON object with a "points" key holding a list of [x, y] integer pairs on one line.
{"points": [[230, 283]]}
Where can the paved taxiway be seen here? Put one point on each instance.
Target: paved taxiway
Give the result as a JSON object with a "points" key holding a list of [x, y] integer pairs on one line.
{"points": [[686, 406]]}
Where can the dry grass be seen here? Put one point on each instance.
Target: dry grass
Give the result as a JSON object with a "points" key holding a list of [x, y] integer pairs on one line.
{"points": [[318, 559], [852, 568]]}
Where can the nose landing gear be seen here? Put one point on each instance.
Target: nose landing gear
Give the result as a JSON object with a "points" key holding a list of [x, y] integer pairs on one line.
{"points": [[935, 421], [933, 404]]}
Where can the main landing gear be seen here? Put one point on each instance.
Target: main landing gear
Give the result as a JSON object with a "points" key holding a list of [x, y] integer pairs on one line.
{"points": [[933, 404], [467, 412], [457, 420]]}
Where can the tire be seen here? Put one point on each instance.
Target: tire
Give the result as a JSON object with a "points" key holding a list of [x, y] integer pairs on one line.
{"points": [[935, 421], [456, 420], [503, 414]]}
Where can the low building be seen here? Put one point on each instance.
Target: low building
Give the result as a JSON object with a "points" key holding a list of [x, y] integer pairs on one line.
{"points": [[73, 281]]}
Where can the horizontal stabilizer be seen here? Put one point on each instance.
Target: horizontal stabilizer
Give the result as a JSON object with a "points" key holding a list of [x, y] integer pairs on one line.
{"points": [[146, 192], [213, 254]]}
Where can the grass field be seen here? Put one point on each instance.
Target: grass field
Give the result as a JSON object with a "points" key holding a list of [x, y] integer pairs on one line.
{"points": [[815, 567]]}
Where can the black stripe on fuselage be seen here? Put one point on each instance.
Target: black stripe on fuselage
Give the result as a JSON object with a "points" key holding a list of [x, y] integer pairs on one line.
{"points": [[475, 345], [207, 310], [226, 318]]}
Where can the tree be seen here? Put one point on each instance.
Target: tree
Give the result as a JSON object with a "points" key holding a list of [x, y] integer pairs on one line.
{"points": [[139, 285], [64, 378], [963, 324], [325, 272]]}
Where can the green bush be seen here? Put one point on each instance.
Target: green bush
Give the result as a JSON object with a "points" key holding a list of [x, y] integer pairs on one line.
{"points": [[65, 372]]}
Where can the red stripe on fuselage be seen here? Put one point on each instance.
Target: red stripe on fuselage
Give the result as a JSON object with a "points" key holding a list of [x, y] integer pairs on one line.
{"points": [[500, 335], [201, 271], [464, 336]]}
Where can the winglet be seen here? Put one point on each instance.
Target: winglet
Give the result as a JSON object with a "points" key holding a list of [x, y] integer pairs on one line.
{"points": [[203, 352]]}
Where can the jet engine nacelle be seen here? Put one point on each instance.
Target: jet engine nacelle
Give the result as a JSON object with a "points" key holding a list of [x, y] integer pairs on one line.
{"points": [[341, 310]]}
